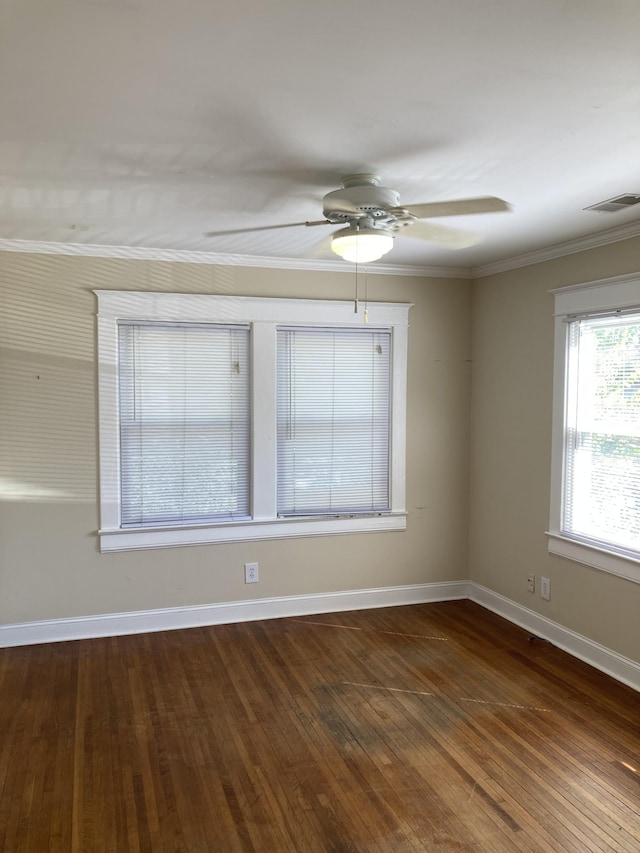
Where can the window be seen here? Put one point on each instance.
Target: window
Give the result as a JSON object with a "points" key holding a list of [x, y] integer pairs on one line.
{"points": [[595, 505], [183, 395], [233, 418], [333, 421]]}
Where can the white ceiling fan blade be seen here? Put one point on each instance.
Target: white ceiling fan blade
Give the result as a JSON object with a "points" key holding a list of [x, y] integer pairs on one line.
{"points": [[461, 207], [450, 238], [266, 228]]}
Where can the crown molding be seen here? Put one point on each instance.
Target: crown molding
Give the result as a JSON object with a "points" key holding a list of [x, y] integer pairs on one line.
{"points": [[89, 250], [559, 250], [549, 253]]}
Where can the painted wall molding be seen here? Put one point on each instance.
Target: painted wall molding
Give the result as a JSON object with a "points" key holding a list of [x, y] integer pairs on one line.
{"points": [[548, 253], [560, 250], [621, 668], [144, 253], [168, 619]]}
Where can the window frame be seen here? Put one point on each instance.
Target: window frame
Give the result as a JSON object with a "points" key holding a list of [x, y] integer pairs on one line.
{"points": [[264, 316], [605, 295]]}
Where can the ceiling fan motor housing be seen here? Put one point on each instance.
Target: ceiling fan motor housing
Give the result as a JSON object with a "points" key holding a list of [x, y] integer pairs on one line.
{"points": [[363, 193]]}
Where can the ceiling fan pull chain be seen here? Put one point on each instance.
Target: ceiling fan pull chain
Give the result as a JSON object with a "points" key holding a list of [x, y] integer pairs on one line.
{"points": [[366, 298]]}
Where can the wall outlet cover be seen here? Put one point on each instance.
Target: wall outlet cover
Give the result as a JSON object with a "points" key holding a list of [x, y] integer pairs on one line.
{"points": [[545, 589], [251, 573]]}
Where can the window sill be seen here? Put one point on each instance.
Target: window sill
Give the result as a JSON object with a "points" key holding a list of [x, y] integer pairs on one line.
{"points": [[245, 531], [596, 558]]}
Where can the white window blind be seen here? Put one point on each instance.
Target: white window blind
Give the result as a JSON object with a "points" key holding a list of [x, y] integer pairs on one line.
{"points": [[184, 423], [602, 450], [333, 408]]}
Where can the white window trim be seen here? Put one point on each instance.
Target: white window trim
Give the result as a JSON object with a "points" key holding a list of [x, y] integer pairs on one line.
{"points": [[264, 315], [595, 296]]}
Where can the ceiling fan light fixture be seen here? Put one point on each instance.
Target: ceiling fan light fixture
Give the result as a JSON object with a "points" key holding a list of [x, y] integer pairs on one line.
{"points": [[362, 245]]}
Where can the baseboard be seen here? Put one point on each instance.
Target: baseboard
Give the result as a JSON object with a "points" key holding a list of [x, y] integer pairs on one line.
{"points": [[145, 621], [621, 668]]}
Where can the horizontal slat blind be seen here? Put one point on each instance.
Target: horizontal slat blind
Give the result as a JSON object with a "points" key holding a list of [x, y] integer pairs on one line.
{"points": [[333, 406], [184, 423], [602, 452]]}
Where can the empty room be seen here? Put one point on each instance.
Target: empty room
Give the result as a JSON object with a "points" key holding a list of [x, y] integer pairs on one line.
{"points": [[320, 426]]}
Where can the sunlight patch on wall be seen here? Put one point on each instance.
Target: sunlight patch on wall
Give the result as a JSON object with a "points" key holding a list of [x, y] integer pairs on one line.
{"points": [[17, 490]]}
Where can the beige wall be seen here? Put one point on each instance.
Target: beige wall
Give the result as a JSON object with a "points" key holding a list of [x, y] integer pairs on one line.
{"points": [[511, 451], [50, 566]]}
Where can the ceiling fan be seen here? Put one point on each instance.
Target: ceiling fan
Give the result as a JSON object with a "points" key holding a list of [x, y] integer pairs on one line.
{"points": [[373, 218]]}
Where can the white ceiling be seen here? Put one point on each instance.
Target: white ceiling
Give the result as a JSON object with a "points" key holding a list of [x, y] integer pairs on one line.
{"points": [[144, 123]]}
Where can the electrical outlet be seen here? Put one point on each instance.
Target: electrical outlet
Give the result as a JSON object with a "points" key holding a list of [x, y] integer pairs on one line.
{"points": [[531, 583], [545, 589], [251, 573]]}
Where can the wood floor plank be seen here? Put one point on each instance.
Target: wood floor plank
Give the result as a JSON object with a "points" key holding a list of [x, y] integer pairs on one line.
{"points": [[428, 727]]}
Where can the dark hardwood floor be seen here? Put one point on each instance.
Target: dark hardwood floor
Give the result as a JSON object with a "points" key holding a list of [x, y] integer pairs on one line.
{"points": [[435, 727]]}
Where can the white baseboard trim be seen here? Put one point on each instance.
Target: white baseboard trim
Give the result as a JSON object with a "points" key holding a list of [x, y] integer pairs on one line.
{"points": [[146, 621], [621, 668]]}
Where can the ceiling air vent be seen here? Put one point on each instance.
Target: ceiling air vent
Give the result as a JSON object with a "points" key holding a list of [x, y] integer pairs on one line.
{"points": [[620, 202]]}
